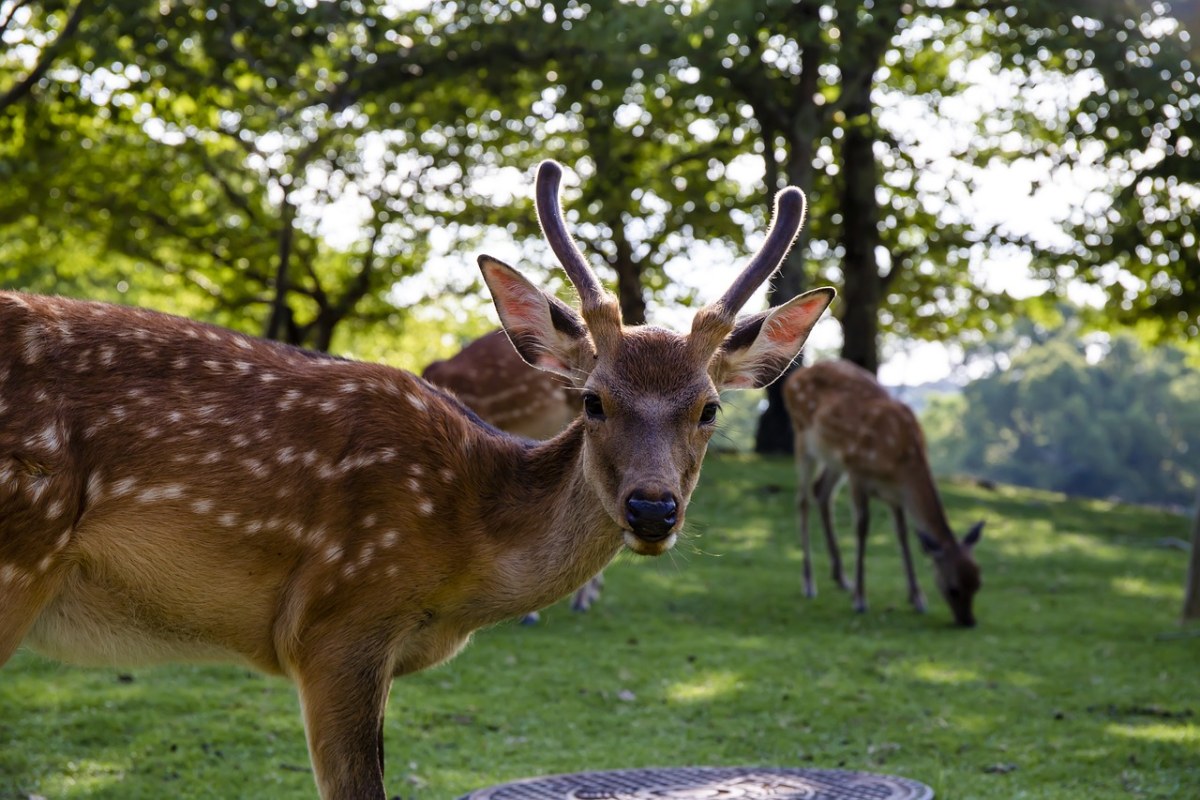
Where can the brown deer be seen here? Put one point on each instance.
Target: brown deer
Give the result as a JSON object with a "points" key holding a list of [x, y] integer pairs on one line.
{"points": [[844, 421], [492, 380], [174, 491]]}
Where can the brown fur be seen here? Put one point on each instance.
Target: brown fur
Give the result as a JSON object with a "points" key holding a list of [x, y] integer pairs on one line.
{"points": [[492, 380], [174, 491], [846, 423]]}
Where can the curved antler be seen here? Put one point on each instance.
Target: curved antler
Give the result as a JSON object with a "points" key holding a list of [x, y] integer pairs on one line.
{"points": [[549, 176], [786, 220]]}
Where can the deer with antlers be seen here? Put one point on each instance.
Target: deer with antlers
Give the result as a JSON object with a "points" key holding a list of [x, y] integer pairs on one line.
{"points": [[845, 422], [174, 491]]}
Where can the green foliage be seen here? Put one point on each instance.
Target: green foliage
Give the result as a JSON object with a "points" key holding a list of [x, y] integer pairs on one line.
{"points": [[1119, 424], [1067, 689]]}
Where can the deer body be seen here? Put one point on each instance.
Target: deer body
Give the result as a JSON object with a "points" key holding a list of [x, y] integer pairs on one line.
{"points": [[491, 379], [173, 491], [845, 423]]}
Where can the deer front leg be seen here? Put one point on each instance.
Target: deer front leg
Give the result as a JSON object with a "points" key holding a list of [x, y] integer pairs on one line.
{"points": [[588, 593], [804, 488], [825, 488], [862, 520], [343, 693], [24, 592], [915, 595]]}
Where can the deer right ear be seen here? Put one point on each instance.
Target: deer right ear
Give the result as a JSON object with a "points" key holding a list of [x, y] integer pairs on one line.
{"points": [[546, 332], [762, 346]]}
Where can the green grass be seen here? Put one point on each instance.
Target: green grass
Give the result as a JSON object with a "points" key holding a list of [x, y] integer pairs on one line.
{"points": [[1073, 685]]}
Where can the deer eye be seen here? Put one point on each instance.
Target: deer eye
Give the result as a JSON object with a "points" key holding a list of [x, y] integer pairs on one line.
{"points": [[592, 406], [709, 415]]}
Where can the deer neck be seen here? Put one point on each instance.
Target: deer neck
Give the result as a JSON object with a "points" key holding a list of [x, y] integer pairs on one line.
{"points": [[546, 532], [924, 505]]}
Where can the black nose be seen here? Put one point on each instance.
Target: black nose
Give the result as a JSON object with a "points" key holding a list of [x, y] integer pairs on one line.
{"points": [[651, 520]]}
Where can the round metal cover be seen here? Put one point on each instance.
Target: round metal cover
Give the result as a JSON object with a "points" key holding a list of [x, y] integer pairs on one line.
{"points": [[710, 783]]}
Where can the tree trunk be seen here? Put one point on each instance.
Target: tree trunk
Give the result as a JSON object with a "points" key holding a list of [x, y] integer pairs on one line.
{"points": [[1191, 589], [862, 291], [774, 432], [280, 321], [629, 281]]}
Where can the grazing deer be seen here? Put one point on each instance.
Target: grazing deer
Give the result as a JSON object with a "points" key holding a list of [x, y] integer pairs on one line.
{"points": [[492, 380], [173, 491], [844, 421]]}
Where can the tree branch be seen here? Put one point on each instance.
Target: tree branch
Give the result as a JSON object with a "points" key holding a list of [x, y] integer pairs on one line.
{"points": [[17, 92]]}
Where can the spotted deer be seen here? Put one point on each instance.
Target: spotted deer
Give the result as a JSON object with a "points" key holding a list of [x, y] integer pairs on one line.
{"points": [[845, 422], [492, 380], [173, 491]]}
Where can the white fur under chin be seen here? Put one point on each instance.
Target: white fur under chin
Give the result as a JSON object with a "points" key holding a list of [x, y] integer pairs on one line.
{"points": [[644, 548]]}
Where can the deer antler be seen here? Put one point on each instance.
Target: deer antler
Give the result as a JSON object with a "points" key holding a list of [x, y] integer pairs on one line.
{"points": [[785, 224], [600, 309], [715, 321]]}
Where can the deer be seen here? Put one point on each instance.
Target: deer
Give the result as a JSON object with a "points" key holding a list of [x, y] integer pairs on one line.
{"points": [[173, 491], [491, 379], [846, 423]]}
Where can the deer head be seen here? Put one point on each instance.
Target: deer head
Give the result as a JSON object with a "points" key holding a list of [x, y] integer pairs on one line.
{"points": [[955, 571], [649, 396]]}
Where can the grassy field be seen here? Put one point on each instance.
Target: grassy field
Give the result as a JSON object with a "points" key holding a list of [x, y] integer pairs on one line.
{"points": [[1077, 684]]}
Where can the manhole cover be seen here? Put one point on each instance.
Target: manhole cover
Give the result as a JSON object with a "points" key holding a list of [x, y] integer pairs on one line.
{"points": [[710, 783]]}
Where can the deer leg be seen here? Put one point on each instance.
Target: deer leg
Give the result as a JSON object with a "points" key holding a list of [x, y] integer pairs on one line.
{"points": [[826, 487], [804, 470], [24, 592], [914, 590], [588, 593], [343, 692], [862, 519]]}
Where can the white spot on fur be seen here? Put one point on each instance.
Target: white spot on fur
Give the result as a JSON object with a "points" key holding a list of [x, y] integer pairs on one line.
{"points": [[447, 475], [33, 344], [63, 540], [333, 553], [123, 486], [417, 402], [45, 563], [414, 485], [328, 405], [227, 519], [95, 488], [369, 521], [171, 491], [425, 507], [202, 506], [389, 538], [54, 510]]}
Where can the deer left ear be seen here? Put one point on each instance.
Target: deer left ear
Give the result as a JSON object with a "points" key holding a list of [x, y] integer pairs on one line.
{"points": [[973, 535], [931, 546], [546, 332], [762, 346]]}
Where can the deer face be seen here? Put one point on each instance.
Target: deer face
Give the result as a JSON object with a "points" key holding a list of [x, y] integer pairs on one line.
{"points": [[649, 397], [956, 573], [648, 413]]}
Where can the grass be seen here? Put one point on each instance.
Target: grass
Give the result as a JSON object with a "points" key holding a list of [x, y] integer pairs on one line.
{"points": [[1073, 685]]}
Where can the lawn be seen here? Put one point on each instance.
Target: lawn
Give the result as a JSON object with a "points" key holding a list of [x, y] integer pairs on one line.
{"points": [[1078, 682]]}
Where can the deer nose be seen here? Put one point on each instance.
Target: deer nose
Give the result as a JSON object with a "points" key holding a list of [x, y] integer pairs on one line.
{"points": [[651, 520]]}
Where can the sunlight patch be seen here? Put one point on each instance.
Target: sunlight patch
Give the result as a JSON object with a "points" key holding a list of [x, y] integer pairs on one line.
{"points": [[708, 686], [1173, 733]]}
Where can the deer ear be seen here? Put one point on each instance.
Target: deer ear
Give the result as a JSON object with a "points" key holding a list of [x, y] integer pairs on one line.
{"points": [[930, 545], [546, 332], [973, 535], [762, 346]]}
